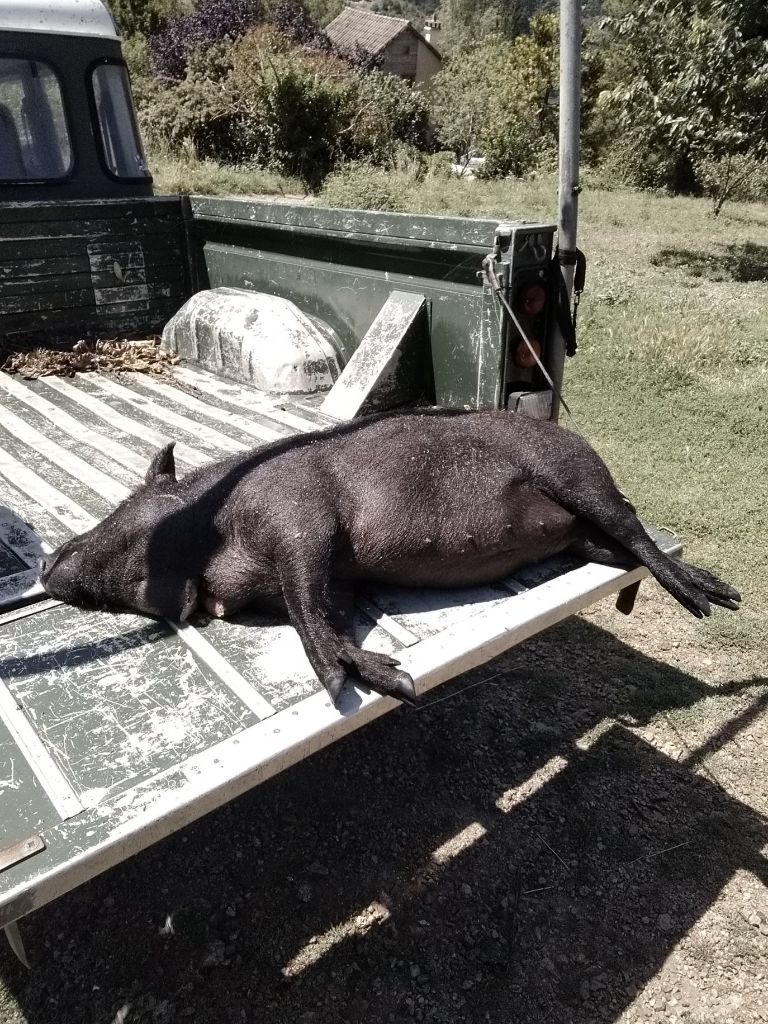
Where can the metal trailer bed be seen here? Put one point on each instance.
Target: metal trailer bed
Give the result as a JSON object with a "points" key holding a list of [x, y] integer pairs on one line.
{"points": [[115, 730]]}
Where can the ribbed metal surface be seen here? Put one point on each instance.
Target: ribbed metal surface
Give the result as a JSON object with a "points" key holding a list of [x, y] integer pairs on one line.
{"points": [[116, 729]]}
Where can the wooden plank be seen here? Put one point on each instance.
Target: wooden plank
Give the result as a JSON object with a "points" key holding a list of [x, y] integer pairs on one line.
{"points": [[39, 518], [270, 406], [110, 270], [85, 434], [87, 321], [468, 234], [427, 612], [21, 586], [26, 806], [21, 538], [169, 394], [162, 263], [134, 428], [74, 278], [224, 671], [376, 356], [30, 746], [33, 269], [102, 484], [30, 248], [67, 511], [97, 229], [77, 211], [113, 698], [207, 437], [102, 301]]}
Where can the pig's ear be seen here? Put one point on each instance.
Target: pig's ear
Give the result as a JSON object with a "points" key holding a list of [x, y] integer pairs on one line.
{"points": [[163, 464]]}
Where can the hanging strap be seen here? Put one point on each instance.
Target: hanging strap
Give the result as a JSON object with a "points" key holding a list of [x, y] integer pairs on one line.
{"points": [[566, 321]]}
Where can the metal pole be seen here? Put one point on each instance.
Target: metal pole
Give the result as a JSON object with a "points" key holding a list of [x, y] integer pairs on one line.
{"points": [[570, 121]]}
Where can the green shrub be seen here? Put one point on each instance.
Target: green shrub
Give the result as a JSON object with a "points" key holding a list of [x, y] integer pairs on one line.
{"points": [[387, 112], [490, 100], [268, 103], [295, 107], [198, 113], [359, 186], [629, 162], [739, 178]]}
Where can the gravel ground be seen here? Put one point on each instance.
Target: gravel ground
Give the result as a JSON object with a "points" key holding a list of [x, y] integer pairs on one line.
{"points": [[581, 838]]}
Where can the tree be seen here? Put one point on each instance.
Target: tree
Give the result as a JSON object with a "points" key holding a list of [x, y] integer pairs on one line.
{"points": [[143, 17], [466, 22], [695, 72], [491, 99]]}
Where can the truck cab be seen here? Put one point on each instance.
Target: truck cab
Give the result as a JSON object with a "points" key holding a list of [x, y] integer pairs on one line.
{"points": [[67, 122]]}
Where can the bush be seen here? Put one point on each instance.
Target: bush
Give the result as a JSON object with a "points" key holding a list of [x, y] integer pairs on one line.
{"points": [[739, 178], [384, 113], [198, 113], [358, 186], [292, 19], [296, 107], [145, 17], [214, 20], [490, 100], [267, 102]]}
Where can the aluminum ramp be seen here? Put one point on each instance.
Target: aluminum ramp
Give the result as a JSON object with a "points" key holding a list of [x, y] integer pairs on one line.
{"points": [[115, 730]]}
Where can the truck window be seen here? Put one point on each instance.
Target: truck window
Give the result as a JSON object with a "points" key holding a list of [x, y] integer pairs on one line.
{"points": [[34, 139], [120, 141]]}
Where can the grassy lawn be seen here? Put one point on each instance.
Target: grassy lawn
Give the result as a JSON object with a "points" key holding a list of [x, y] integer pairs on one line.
{"points": [[671, 380]]}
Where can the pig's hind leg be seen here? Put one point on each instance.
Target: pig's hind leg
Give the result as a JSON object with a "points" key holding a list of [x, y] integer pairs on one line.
{"points": [[584, 486], [305, 580]]}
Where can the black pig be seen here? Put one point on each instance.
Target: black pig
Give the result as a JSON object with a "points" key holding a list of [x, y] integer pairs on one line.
{"points": [[427, 498]]}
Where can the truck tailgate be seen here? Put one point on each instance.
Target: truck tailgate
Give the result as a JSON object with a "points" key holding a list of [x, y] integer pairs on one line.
{"points": [[116, 730]]}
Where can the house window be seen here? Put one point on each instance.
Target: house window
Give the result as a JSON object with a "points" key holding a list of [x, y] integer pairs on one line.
{"points": [[34, 138], [120, 142]]}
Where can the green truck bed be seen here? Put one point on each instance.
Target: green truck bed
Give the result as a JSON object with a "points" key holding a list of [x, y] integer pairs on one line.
{"points": [[116, 730]]}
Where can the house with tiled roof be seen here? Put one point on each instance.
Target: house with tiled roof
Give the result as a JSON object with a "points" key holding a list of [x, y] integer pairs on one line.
{"points": [[403, 49]]}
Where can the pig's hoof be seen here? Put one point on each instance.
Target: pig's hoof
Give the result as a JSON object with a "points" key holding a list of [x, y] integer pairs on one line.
{"points": [[334, 681], [715, 589], [380, 672]]}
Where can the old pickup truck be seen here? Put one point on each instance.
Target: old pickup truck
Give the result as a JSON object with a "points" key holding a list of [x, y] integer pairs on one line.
{"points": [[116, 730]]}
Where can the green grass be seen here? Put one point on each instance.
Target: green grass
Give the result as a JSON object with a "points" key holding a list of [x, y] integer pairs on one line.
{"points": [[187, 174], [671, 380]]}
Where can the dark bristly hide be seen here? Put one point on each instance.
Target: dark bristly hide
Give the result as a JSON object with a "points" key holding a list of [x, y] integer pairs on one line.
{"points": [[427, 498]]}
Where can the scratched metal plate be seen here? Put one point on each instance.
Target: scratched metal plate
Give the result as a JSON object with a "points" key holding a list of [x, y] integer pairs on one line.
{"points": [[9, 563], [25, 807], [116, 699], [427, 612], [268, 653]]}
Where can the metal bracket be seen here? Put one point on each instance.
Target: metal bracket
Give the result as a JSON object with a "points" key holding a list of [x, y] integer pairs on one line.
{"points": [[16, 942], [376, 357], [11, 855], [625, 602]]}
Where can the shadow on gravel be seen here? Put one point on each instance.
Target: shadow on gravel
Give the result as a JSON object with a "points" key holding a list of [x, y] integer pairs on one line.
{"points": [[478, 860]]}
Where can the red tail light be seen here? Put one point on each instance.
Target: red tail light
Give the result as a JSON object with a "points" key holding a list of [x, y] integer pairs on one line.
{"points": [[531, 299], [523, 356]]}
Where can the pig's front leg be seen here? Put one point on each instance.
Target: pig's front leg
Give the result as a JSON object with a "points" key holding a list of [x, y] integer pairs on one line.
{"points": [[305, 581]]}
